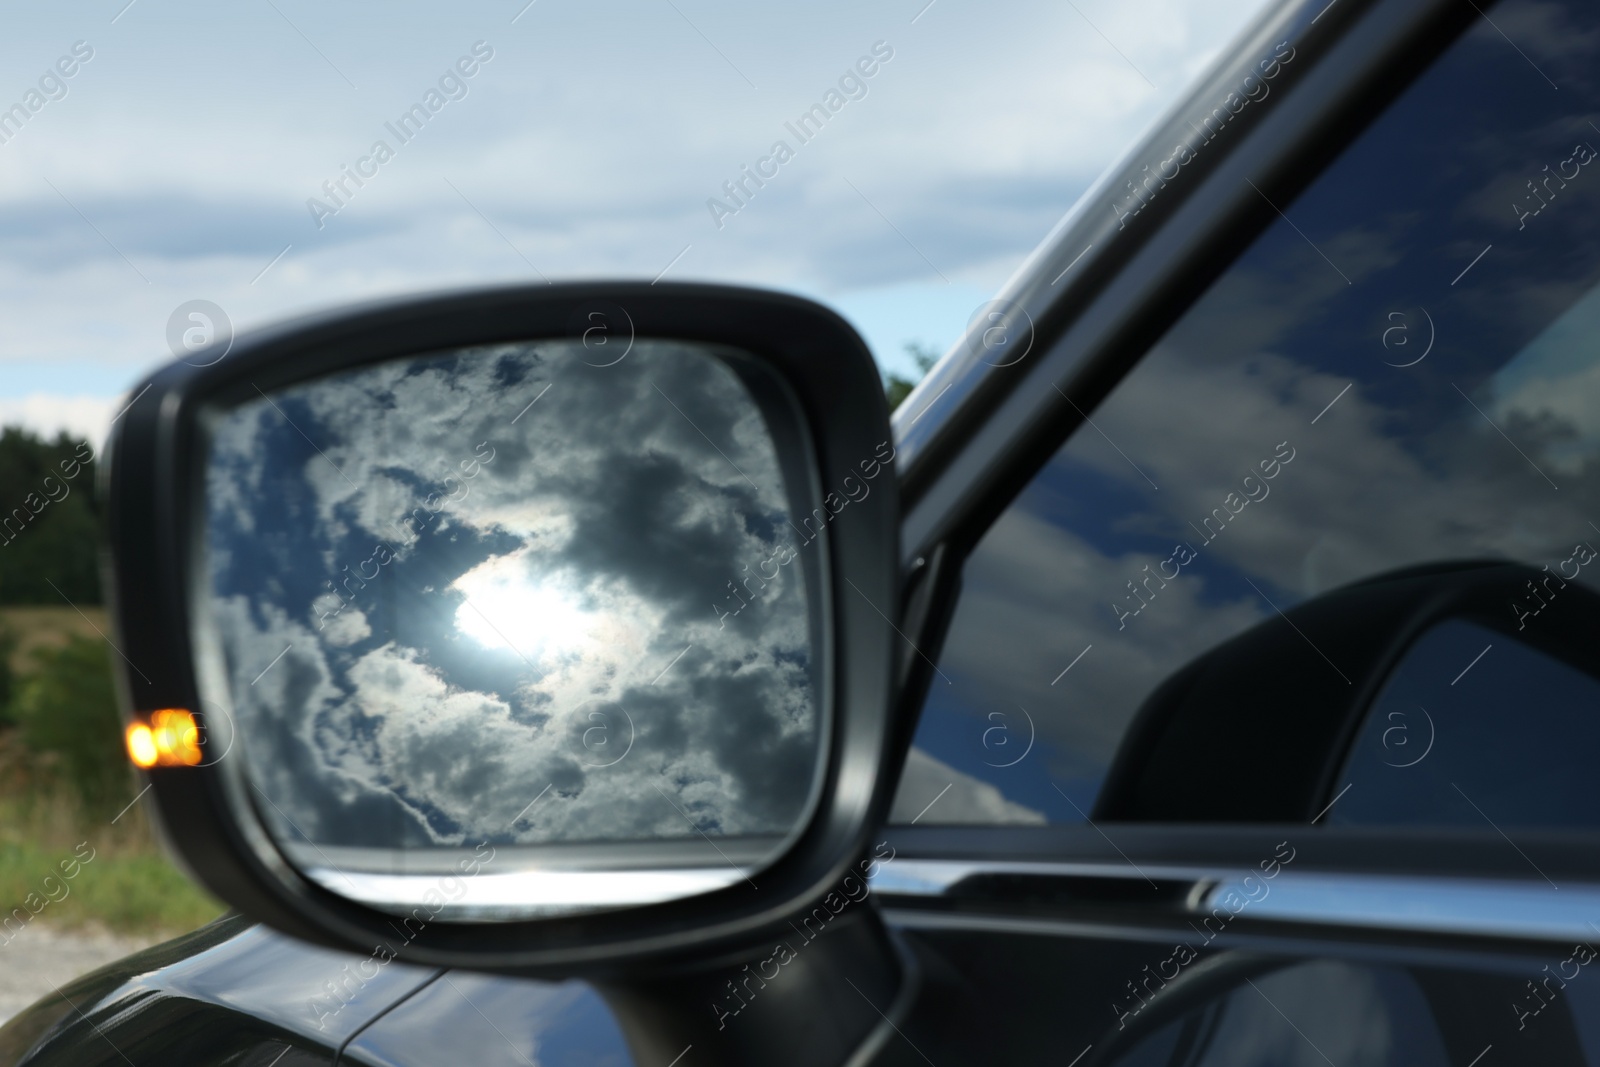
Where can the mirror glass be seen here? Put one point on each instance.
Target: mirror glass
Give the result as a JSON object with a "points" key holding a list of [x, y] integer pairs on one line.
{"points": [[514, 630]]}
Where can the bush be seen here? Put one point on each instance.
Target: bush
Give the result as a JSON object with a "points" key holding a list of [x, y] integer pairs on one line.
{"points": [[66, 710]]}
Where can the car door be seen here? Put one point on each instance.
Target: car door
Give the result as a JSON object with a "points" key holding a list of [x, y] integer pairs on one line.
{"points": [[1256, 697]]}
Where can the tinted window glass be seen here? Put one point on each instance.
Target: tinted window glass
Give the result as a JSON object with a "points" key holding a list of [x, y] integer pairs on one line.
{"points": [[1326, 1011], [1404, 368], [1474, 724], [1312, 1013]]}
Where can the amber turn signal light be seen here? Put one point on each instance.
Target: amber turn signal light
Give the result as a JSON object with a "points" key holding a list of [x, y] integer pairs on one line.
{"points": [[170, 739]]}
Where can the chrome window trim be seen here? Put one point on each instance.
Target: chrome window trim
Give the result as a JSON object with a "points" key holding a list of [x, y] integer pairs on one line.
{"points": [[1532, 910], [1528, 910], [936, 877]]}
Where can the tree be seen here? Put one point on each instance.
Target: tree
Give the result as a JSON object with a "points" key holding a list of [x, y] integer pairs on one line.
{"points": [[896, 388], [49, 524]]}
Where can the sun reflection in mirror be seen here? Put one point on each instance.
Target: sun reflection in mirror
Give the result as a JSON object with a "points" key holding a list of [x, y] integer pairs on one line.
{"points": [[506, 607]]}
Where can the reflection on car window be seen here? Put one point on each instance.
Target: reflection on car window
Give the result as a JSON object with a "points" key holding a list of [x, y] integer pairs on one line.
{"points": [[1474, 717], [1405, 368], [1318, 1012], [1312, 1013]]}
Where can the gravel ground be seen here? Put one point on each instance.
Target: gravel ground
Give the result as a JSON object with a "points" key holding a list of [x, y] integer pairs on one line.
{"points": [[39, 957]]}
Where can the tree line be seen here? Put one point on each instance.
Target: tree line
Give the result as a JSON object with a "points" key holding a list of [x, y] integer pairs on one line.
{"points": [[50, 527]]}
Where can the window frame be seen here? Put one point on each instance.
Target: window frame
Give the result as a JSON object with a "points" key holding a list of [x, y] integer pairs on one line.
{"points": [[991, 429], [994, 428]]}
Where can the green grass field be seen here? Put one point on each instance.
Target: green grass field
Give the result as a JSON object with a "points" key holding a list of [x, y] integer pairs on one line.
{"points": [[119, 877], [129, 892]]}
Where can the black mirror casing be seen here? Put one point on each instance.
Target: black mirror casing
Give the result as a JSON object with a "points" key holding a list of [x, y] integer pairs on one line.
{"points": [[820, 383]]}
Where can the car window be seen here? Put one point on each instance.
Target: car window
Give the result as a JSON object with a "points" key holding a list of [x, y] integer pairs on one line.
{"points": [[1473, 720], [1402, 369], [1320, 1011], [1348, 1013]]}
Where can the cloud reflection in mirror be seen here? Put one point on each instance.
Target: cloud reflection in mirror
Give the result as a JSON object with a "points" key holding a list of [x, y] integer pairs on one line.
{"points": [[445, 616]]}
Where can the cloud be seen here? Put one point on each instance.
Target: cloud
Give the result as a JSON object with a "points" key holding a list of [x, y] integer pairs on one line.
{"points": [[1038, 595], [88, 417], [1357, 499], [1405, 468], [1555, 381], [952, 798], [474, 609], [580, 159]]}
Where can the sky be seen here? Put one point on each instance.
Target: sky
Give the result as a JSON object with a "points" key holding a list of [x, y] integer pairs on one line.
{"points": [[184, 158]]}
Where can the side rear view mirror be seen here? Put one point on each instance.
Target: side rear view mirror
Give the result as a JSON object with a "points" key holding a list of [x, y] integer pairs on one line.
{"points": [[543, 627]]}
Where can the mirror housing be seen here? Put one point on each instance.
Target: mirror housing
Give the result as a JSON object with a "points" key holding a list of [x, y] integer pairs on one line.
{"points": [[816, 369]]}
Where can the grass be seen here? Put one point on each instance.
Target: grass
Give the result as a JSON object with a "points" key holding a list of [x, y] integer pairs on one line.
{"points": [[128, 893], [121, 879], [49, 626]]}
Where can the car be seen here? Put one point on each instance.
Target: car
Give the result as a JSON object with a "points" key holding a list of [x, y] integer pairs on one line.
{"points": [[1200, 668]]}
